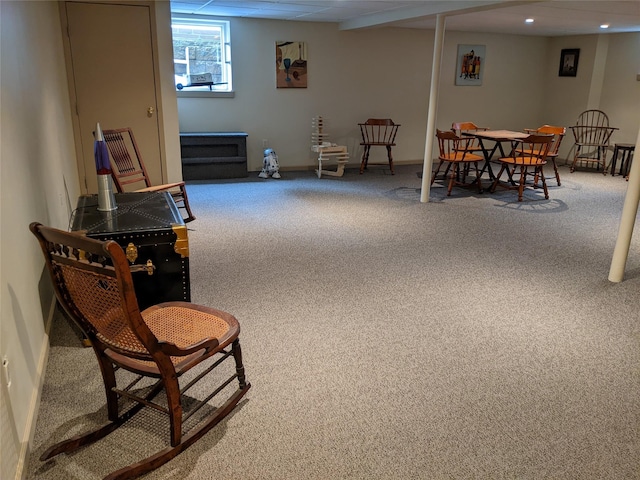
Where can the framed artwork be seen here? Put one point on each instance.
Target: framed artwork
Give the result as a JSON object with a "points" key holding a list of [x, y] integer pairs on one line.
{"points": [[569, 62], [291, 65], [470, 64]]}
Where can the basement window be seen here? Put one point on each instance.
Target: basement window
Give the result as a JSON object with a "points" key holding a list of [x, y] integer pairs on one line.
{"points": [[201, 55]]}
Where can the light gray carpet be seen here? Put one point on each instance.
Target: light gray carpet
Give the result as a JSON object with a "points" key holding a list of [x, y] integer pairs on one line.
{"points": [[472, 337]]}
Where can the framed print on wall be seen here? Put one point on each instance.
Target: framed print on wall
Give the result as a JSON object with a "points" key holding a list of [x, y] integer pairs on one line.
{"points": [[569, 62], [470, 64], [291, 65]]}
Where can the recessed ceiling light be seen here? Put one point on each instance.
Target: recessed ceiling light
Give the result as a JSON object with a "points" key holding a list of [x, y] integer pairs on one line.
{"points": [[529, 20], [604, 25]]}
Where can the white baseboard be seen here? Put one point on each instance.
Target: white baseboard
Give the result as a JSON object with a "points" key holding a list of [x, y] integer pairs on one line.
{"points": [[30, 428]]}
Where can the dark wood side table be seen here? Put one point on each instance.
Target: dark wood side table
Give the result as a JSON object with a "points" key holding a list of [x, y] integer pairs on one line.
{"points": [[626, 155], [149, 227]]}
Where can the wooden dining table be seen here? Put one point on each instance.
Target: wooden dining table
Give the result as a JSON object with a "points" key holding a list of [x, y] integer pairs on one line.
{"points": [[498, 137]]}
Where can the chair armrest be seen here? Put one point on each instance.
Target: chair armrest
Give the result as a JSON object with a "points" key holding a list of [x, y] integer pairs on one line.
{"points": [[173, 350], [162, 188]]}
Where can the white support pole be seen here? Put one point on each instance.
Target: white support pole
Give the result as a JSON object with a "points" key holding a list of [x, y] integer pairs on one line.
{"points": [[433, 108], [629, 212]]}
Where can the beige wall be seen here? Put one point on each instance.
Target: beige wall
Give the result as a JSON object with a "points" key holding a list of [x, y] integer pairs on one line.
{"points": [[620, 97], [354, 75], [38, 183]]}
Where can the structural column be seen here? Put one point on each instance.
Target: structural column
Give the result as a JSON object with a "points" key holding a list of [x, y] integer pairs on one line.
{"points": [[627, 222], [433, 109]]}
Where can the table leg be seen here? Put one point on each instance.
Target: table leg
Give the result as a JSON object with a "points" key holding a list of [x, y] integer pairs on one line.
{"points": [[614, 160], [487, 158]]}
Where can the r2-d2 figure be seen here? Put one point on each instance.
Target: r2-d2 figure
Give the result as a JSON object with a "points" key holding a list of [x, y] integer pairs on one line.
{"points": [[270, 165]]}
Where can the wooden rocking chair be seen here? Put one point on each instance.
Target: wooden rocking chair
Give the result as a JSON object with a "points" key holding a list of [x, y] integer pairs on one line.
{"points": [[129, 173], [93, 282]]}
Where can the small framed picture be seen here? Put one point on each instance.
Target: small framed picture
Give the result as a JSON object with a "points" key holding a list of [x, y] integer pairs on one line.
{"points": [[569, 62], [470, 64]]}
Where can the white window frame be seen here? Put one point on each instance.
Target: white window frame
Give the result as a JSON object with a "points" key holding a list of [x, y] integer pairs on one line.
{"points": [[203, 21]]}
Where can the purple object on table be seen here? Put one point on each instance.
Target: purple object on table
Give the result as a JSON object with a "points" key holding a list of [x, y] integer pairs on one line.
{"points": [[101, 153]]}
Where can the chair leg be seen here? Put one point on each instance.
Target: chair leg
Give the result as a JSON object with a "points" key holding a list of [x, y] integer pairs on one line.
{"points": [[174, 407], [182, 197], [478, 175], [237, 355], [575, 160], [603, 158], [544, 183], [452, 178], [555, 169], [390, 157], [365, 158], [109, 380], [433, 176], [523, 179], [614, 160]]}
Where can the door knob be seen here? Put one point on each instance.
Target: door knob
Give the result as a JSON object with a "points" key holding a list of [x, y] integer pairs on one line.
{"points": [[150, 111]]}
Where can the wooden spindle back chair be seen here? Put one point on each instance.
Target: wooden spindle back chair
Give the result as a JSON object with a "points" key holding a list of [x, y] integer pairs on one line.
{"points": [[454, 152], [558, 134], [378, 132], [528, 157], [591, 134]]}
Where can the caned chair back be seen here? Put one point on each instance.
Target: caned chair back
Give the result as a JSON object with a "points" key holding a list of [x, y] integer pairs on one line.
{"points": [[94, 285]]}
